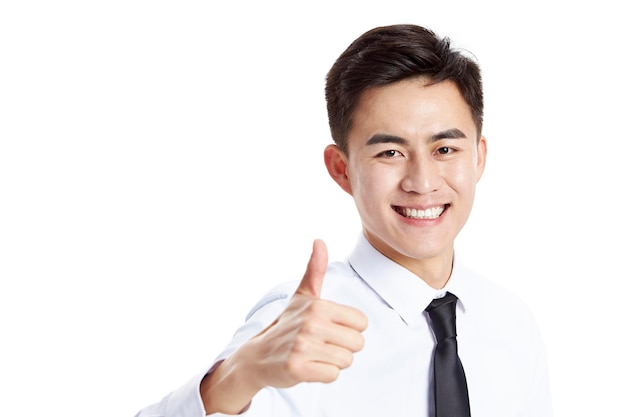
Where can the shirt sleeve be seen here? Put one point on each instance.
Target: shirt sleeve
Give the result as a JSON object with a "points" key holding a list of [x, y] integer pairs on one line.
{"points": [[186, 400], [183, 402]]}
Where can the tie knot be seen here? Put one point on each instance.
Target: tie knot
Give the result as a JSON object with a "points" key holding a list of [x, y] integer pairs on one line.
{"points": [[442, 312]]}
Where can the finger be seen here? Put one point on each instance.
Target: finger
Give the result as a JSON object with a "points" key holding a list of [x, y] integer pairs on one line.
{"points": [[329, 331], [343, 337], [337, 356], [348, 316], [323, 364], [311, 283], [319, 372]]}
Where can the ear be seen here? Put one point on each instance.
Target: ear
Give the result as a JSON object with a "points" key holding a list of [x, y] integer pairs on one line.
{"points": [[337, 165], [481, 157]]}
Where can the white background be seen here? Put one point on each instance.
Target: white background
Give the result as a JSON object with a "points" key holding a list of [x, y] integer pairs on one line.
{"points": [[161, 168]]}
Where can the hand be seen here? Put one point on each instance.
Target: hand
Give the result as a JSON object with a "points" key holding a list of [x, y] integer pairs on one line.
{"points": [[312, 340]]}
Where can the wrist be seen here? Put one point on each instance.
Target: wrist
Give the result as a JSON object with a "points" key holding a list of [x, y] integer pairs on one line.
{"points": [[229, 387]]}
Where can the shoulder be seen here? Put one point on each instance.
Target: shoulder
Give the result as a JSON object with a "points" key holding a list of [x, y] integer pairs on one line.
{"points": [[339, 277], [494, 302], [277, 296]]}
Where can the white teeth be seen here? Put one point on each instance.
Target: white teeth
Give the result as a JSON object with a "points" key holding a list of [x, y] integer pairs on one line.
{"points": [[429, 213]]}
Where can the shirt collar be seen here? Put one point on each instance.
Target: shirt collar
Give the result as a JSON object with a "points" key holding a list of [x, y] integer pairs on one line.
{"points": [[459, 285], [401, 289]]}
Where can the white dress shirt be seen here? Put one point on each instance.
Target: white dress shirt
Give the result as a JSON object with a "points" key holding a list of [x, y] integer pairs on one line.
{"points": [[498, 341]]}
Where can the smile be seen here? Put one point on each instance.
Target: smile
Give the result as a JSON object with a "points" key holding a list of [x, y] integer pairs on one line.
{"points": [[412, 213]]}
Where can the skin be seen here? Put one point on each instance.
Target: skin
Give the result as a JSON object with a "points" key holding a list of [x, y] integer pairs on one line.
{"points": [[311, 341], [411, 146]]}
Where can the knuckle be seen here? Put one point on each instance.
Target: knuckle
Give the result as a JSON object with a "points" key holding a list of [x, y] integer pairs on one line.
{"points": [[346, 360], [293, 368], [359, 343], [301, 345], [331, 375], [310, 328], [316, 308], [364, 322]]}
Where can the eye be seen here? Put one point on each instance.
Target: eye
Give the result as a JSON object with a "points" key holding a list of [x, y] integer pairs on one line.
{"points": [[444, 150], [391, 153]]}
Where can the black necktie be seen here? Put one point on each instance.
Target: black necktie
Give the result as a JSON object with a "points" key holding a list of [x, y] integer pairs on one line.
{"points": [[451, 398]]}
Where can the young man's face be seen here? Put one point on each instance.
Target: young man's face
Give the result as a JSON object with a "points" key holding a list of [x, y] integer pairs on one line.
{"points": [[413, 164]]}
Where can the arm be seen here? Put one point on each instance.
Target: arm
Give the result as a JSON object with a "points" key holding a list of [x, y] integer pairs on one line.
{"points": [[310, 341], [183, 402]]}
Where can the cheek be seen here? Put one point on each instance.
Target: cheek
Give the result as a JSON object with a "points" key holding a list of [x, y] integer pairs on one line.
{"points": [[371, 185], [463, 178]]}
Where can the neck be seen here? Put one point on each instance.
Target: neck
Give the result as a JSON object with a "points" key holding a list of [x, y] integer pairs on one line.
{"points": [[433, 271]]}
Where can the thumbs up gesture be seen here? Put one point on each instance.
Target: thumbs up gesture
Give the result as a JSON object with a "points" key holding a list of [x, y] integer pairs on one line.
{"points": [[312, 340]]}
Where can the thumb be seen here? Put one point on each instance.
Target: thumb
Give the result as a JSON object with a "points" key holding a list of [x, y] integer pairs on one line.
{"points": [[311, 283]]}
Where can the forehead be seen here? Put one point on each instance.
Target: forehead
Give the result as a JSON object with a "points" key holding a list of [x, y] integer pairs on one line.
{"points": [[411, 108]]}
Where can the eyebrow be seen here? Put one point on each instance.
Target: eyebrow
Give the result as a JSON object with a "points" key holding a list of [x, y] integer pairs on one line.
{"points": [[453, 133], [384, 138]]}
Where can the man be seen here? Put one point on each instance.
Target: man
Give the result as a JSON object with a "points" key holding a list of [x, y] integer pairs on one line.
{"points": [[354, 338]]}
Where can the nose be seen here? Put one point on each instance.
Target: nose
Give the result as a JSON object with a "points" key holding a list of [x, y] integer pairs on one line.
{"points": [[421, 176]]}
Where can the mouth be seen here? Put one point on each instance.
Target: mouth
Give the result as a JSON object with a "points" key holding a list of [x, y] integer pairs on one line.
{"points": [[422, 214]]}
